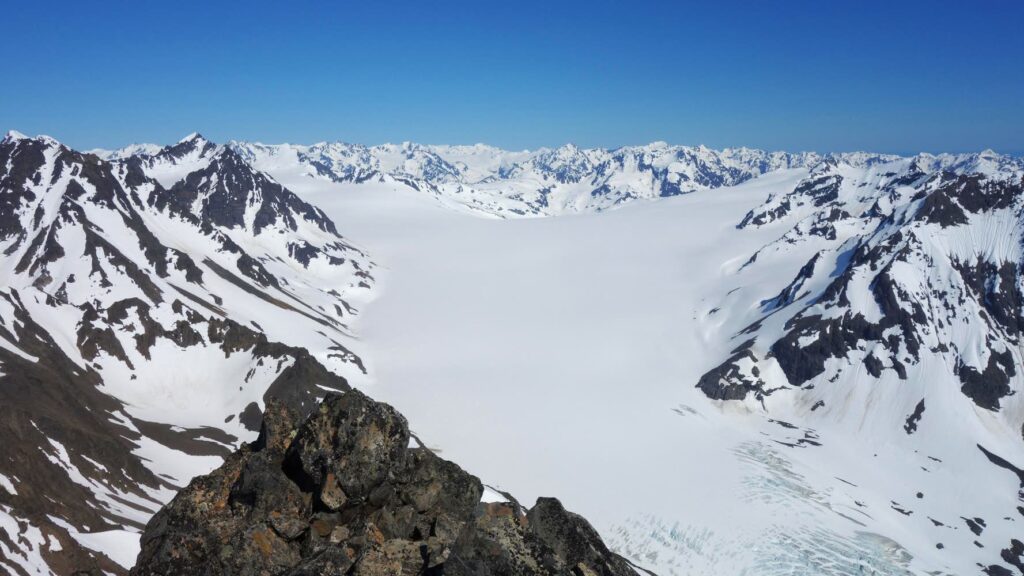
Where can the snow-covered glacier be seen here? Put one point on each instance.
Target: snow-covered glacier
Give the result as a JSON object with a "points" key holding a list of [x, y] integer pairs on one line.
{"points": [[731, 362]]}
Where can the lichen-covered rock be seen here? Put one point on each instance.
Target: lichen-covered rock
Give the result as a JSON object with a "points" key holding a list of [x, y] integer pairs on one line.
{"points": [[355, 441], [342, 493]]}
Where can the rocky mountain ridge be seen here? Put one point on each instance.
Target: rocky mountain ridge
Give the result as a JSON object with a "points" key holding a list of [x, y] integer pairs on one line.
{"points": [[348, 491]]}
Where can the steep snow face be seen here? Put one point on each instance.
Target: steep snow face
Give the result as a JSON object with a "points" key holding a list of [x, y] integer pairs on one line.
{"points": [[142, 325]]}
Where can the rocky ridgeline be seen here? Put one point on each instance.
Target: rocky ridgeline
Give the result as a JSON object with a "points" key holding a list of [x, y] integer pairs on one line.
{"points": [[343, 493]]}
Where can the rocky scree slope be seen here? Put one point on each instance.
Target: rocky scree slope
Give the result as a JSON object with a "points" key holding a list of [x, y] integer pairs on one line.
{"points": [[344, 493]]}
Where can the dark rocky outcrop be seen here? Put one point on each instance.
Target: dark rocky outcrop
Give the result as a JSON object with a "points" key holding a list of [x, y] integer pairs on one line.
{"points": [[820, 188], [342, 493], [727, 381], [911, 424], [988, 386]]}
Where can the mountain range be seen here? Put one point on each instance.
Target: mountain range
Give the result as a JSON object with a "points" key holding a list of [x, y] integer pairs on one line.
{"points": [[852, 333]]}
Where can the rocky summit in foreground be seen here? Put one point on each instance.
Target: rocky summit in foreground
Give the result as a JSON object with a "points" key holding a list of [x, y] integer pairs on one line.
{"points": [[343, 493]]}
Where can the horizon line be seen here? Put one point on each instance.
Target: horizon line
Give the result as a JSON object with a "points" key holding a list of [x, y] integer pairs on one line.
{"points": [[16, 134]]}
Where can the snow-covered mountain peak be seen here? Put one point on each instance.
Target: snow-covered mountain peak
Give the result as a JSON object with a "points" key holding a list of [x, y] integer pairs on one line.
{"points": [[14, 135], [828, 165], [193, 136], [143, 149], [172, 163], [990, 164], [193, 142], [661, 145]]}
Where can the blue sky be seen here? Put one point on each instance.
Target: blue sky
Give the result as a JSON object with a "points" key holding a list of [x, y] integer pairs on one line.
{"points": [[895, 76]]}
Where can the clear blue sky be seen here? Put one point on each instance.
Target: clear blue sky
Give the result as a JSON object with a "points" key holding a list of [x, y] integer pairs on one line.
{"points": [[893, 76]]}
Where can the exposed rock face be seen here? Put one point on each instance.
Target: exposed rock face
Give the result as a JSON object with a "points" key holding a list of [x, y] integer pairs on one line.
{"points": [[904, 233], [342, 493]]}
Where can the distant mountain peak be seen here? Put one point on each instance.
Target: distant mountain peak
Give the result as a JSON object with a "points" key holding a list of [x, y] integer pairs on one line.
{"points": [[191, 137], [15, 136]]}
